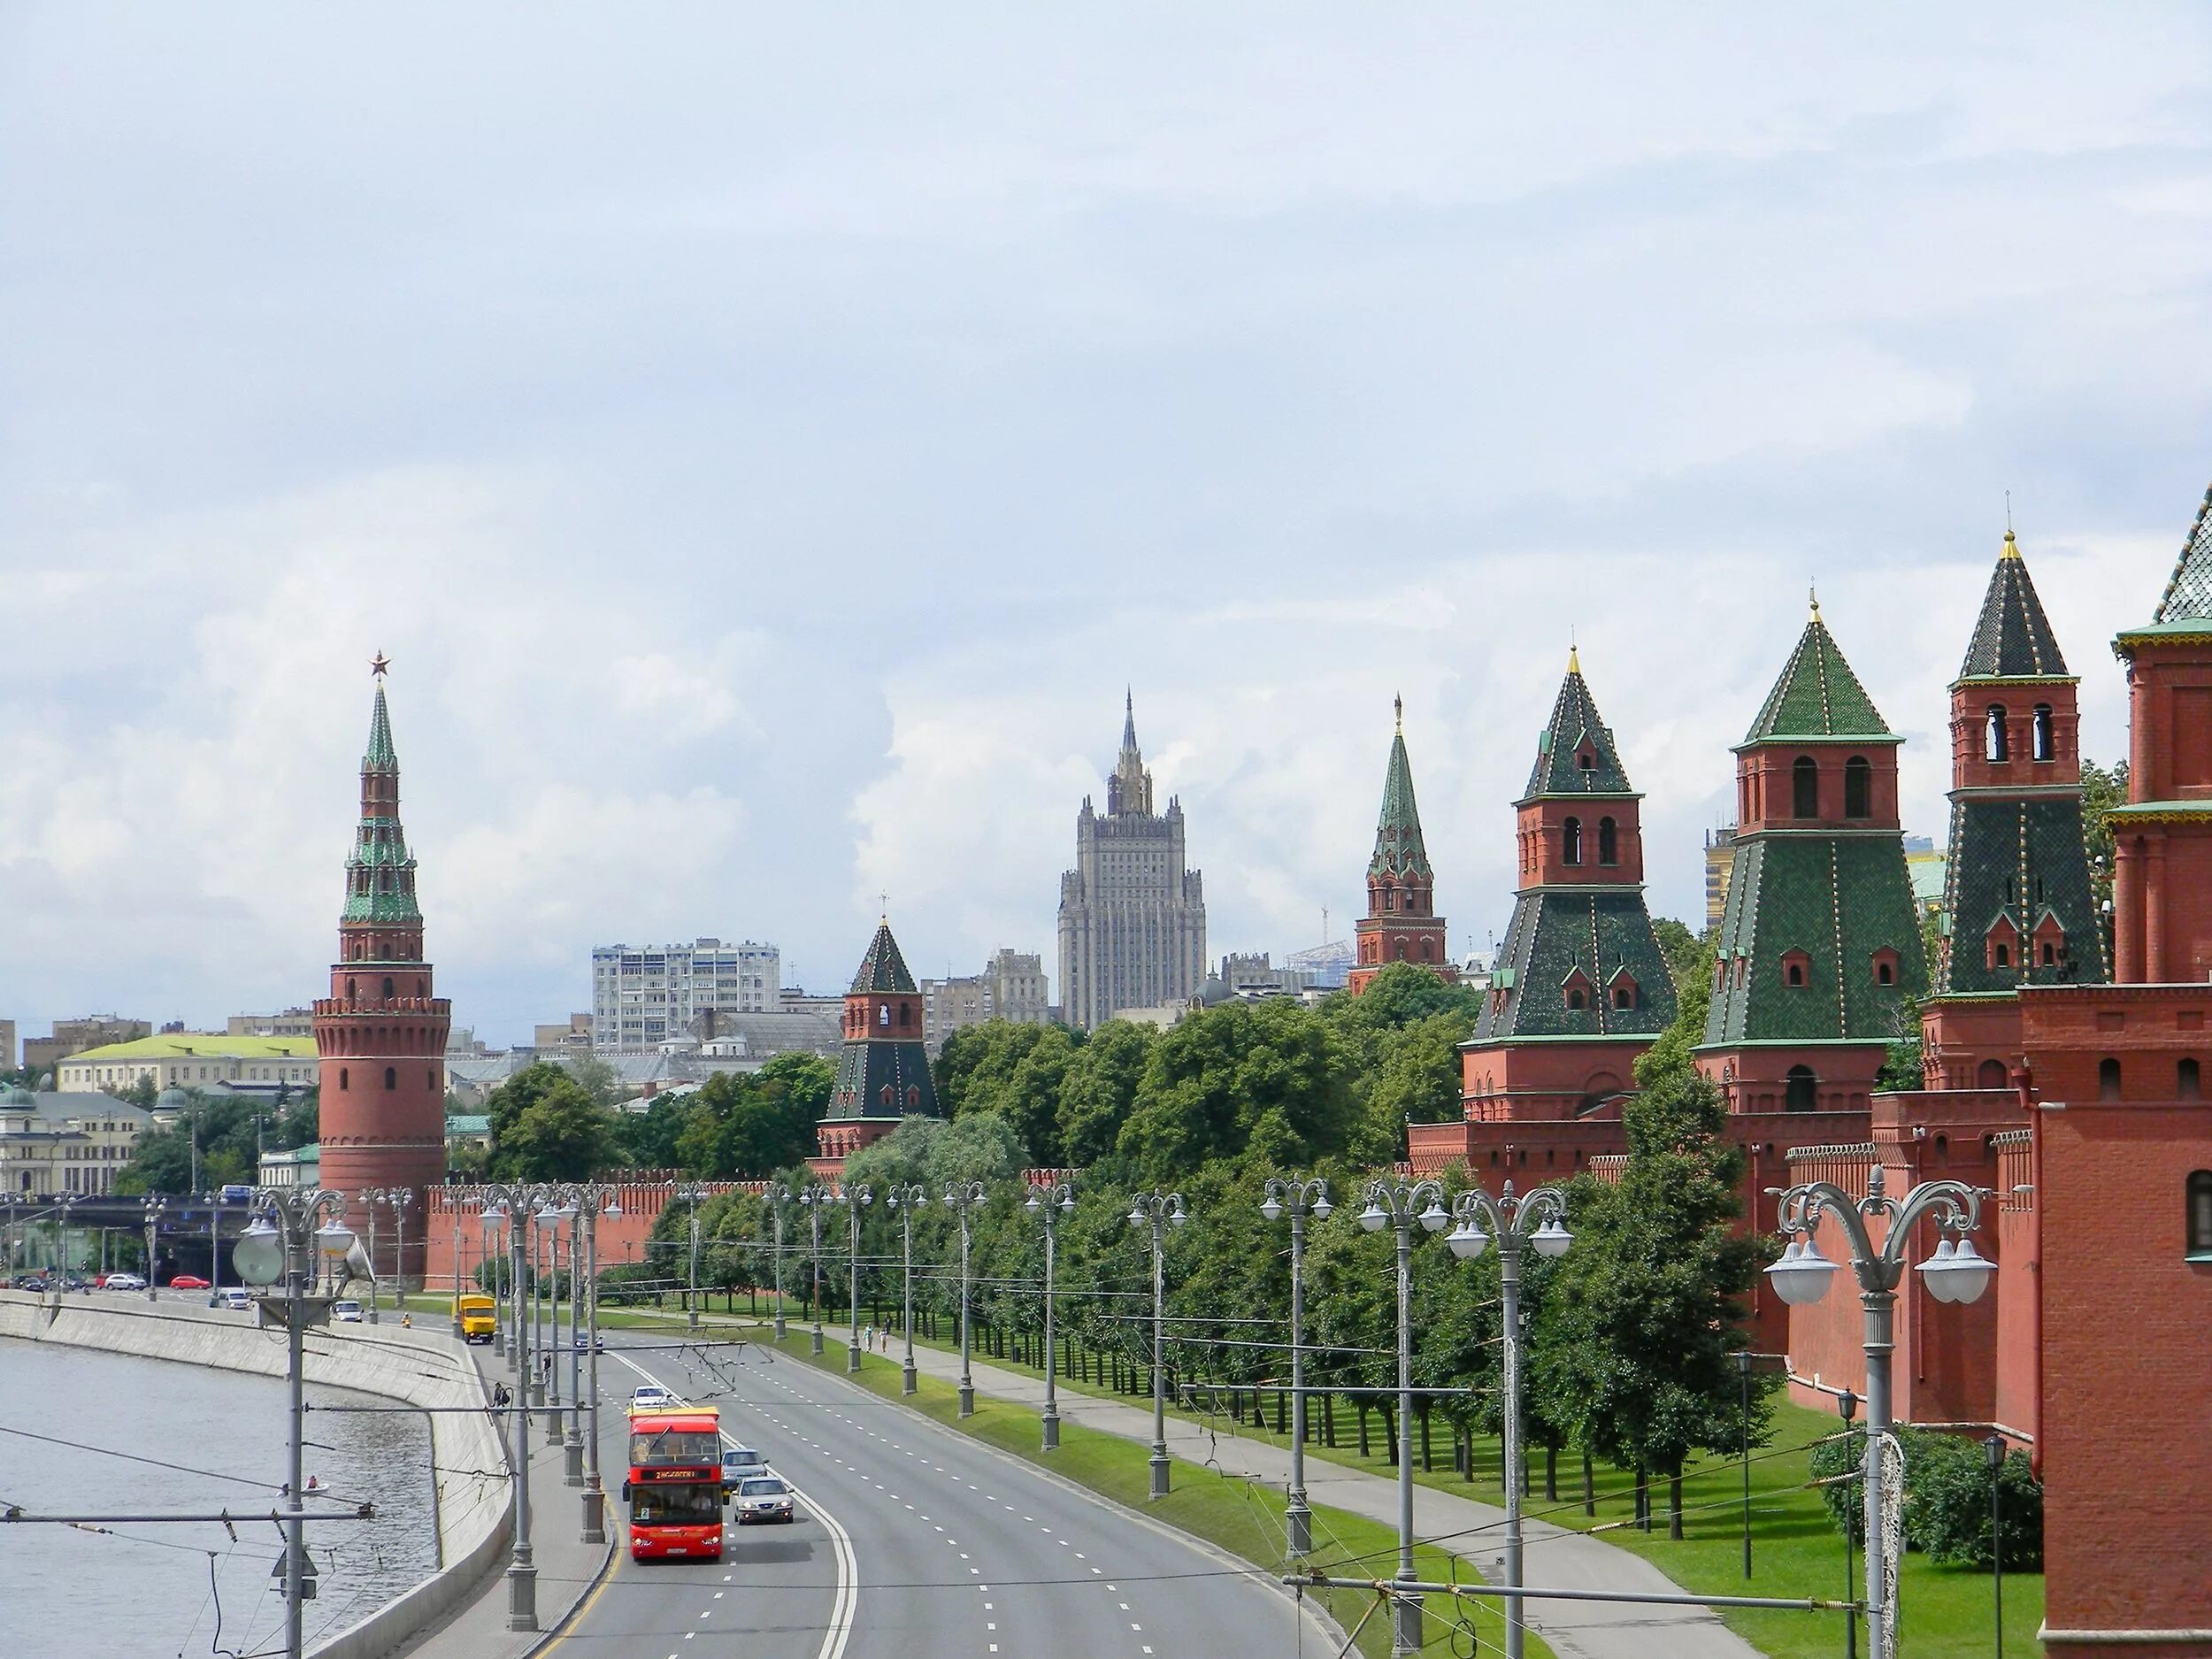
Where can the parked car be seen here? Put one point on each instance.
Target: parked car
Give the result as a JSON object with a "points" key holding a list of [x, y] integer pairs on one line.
{"points": [[346, 1312], [31, 1281], [650, 1397], [234, 1299], [189, 1281], [740, 1463], [763, 1498], [121, 1281], [583, 1342]]}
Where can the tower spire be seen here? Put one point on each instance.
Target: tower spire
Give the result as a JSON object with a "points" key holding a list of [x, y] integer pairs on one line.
{"points": [[1130, 789]]}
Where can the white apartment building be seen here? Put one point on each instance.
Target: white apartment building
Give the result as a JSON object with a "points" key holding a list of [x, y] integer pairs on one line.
{"points": [[643, 997]]}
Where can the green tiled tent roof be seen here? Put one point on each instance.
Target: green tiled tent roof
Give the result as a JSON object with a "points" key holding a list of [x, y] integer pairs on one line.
{"points": [[1556, 932], [380, 756], [1817, 695], [2024, 859], [1399, 848], [379, 870], [883, 971], [1837, 898], [2012, 638], [865, 1068], [2188, 595], [1574, 732]]}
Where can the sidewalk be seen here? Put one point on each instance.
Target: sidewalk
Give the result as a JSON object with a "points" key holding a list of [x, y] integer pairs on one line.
{"points": [[1556, 1557], [567, 1567]]}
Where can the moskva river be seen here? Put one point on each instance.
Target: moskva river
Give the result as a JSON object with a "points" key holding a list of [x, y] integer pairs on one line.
{"points": [[87, 1433]]}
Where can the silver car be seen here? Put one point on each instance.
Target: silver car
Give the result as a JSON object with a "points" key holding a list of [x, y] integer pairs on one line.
{"points": [[763, 1498]]}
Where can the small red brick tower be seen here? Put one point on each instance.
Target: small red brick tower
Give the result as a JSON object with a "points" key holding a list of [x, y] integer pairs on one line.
{"points": [[1581, 986], [381, 1032], [883, 1070], [1401, 924], [2122, 1183]]}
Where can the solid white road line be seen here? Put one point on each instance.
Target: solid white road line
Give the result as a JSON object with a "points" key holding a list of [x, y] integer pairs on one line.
{"points": [[847, 1604]]}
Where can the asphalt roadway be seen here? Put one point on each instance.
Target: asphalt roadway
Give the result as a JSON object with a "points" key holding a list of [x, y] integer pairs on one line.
{"points": [[910, 1539]]}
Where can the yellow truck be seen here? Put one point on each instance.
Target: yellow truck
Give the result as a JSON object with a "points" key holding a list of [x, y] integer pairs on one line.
{"points": [[478, 1318]]}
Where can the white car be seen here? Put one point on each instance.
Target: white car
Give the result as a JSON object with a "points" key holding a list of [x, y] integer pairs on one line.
{"points": [[651, 1397], [346, 1312], [763, 1498], [234, 1299], [122, 1282]]}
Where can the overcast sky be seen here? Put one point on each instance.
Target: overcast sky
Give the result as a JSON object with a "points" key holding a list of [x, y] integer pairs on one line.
{"points": [[768, 440]]}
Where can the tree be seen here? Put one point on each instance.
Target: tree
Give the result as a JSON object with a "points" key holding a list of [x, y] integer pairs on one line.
{"points": [[1415, 1077], [1273, 1076], [1098, 1090], [1681, 948], [1016, 1071], [1400, 995], [561, 1134], [600, 1079], [225, 1128], [648, 1139], [745, 1126]]}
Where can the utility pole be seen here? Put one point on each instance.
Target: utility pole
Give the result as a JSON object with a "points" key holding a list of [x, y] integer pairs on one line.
{"points": [[1159, 1211], [1048, 1201], [776, 1197], [511, 1202], [963, 1198], [906, 1200], [854, 1201], [692, 1194], [1300, 1199]]}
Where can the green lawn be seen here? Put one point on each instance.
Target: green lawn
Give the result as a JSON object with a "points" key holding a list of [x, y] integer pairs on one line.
{"points": [[1241, 1516]]}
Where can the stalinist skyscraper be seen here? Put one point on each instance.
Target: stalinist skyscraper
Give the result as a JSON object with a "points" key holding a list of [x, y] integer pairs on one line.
{"points": [[1133, 914]]}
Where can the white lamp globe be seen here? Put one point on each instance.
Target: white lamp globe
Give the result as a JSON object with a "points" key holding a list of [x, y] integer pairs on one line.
{"points": [[1272, 1209], [1468, 1240], [1373, 1216], [334, 1238], [1553, 1239], [1433, 1218], [259, 1255]]}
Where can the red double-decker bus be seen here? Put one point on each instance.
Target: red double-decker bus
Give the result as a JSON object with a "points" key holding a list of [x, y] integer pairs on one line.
{"points": [[675, 1485]]}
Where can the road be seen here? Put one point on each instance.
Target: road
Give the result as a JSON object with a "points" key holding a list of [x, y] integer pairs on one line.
{"points": [[913, 1539]]}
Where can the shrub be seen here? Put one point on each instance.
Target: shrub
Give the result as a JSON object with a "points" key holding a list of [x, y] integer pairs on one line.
{"points": [[1946, 1499]]}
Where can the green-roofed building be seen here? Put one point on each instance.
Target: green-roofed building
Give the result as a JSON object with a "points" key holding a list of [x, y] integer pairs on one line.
{"points": [[1401, 924], [2018, 905], [1581, 986], [1819, 945], [883, 1070]]}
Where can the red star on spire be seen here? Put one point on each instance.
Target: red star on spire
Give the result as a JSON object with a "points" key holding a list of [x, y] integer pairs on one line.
{"points": [[379, 664]]}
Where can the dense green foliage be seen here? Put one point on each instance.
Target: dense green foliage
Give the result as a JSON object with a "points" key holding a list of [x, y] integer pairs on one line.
{"points": [[1946, 1499], [230, 1132]]}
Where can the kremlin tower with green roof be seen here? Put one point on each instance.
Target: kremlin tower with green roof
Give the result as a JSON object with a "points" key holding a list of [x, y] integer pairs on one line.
{"points": [[1818, 947], [1401, 924], [883, 1070], [1580, 987], [381, 1033]]}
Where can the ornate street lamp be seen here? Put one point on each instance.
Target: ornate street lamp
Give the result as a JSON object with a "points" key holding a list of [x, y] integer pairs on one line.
{"points": [[1955, 1272], [1301, 1199], [1533, 1218], [1048, 1200], [1402, 1206], [814, 1199], [906, 1200], [154, 1206], [1159, 1211], [855, 1199], [963, 1199], [776, 1197], [691, 1192], [401, 1199]]}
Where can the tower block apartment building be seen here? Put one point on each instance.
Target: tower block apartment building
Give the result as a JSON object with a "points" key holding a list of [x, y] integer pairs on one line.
{"points": [[382, 1034]]}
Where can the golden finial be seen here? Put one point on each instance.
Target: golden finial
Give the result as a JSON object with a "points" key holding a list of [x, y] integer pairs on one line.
{"points": [[378, 664], [1398, 704], [1813, 594], [1574, 655], [2012, 548]]}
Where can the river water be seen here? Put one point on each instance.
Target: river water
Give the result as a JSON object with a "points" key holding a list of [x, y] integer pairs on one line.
{"points": [[148, 1589]]}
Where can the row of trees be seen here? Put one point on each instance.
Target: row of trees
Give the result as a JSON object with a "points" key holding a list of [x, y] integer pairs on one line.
{"points": [[222, 1136]]}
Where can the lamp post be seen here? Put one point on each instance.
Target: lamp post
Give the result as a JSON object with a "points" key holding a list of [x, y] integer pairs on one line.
{"points": [[155, 1205], [1159, 1211], [295, 1232], [1516, 1222], [815, 1198], [561, 1205], [1300, 1200], [1399, 1206], [855, 1199], [401, 1199], [370, 1197], [1847, 1409], [1996, 1446], [503, 1298], [693, 1193], [777, 1196], [1047, 1200], [1955, 1272], [906, 1200], [511, 1202], [963, 1198], [593, 1199]]}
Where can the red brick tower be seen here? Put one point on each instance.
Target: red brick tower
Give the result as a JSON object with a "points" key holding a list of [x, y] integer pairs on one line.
{"points": [[381, 1032], [883, 1070], [2122, 1222], [1401, 924]]}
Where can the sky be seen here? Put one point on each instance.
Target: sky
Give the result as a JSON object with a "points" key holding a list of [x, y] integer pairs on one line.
{"points": [[768, 440]]}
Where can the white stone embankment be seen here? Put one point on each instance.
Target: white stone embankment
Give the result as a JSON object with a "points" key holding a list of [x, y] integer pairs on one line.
{"points": [[418, 1367]]}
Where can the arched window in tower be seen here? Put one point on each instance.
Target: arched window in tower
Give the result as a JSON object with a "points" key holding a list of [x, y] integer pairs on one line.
{"points": [[1401, 950], [1801, 1089], [2107, 1079], [883, 1013], [2199, 1192], [1571, 841], [1586, 761], [2188, 1081], [913, 1097], [1609, 841], [1805, 787], [1996, 743], [388, 984], [1990, 1074], [344, 1080], [350, 991], [2046, 748], [906, 1013], [391, 1076], [1858, 787], [1428, 950]]}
